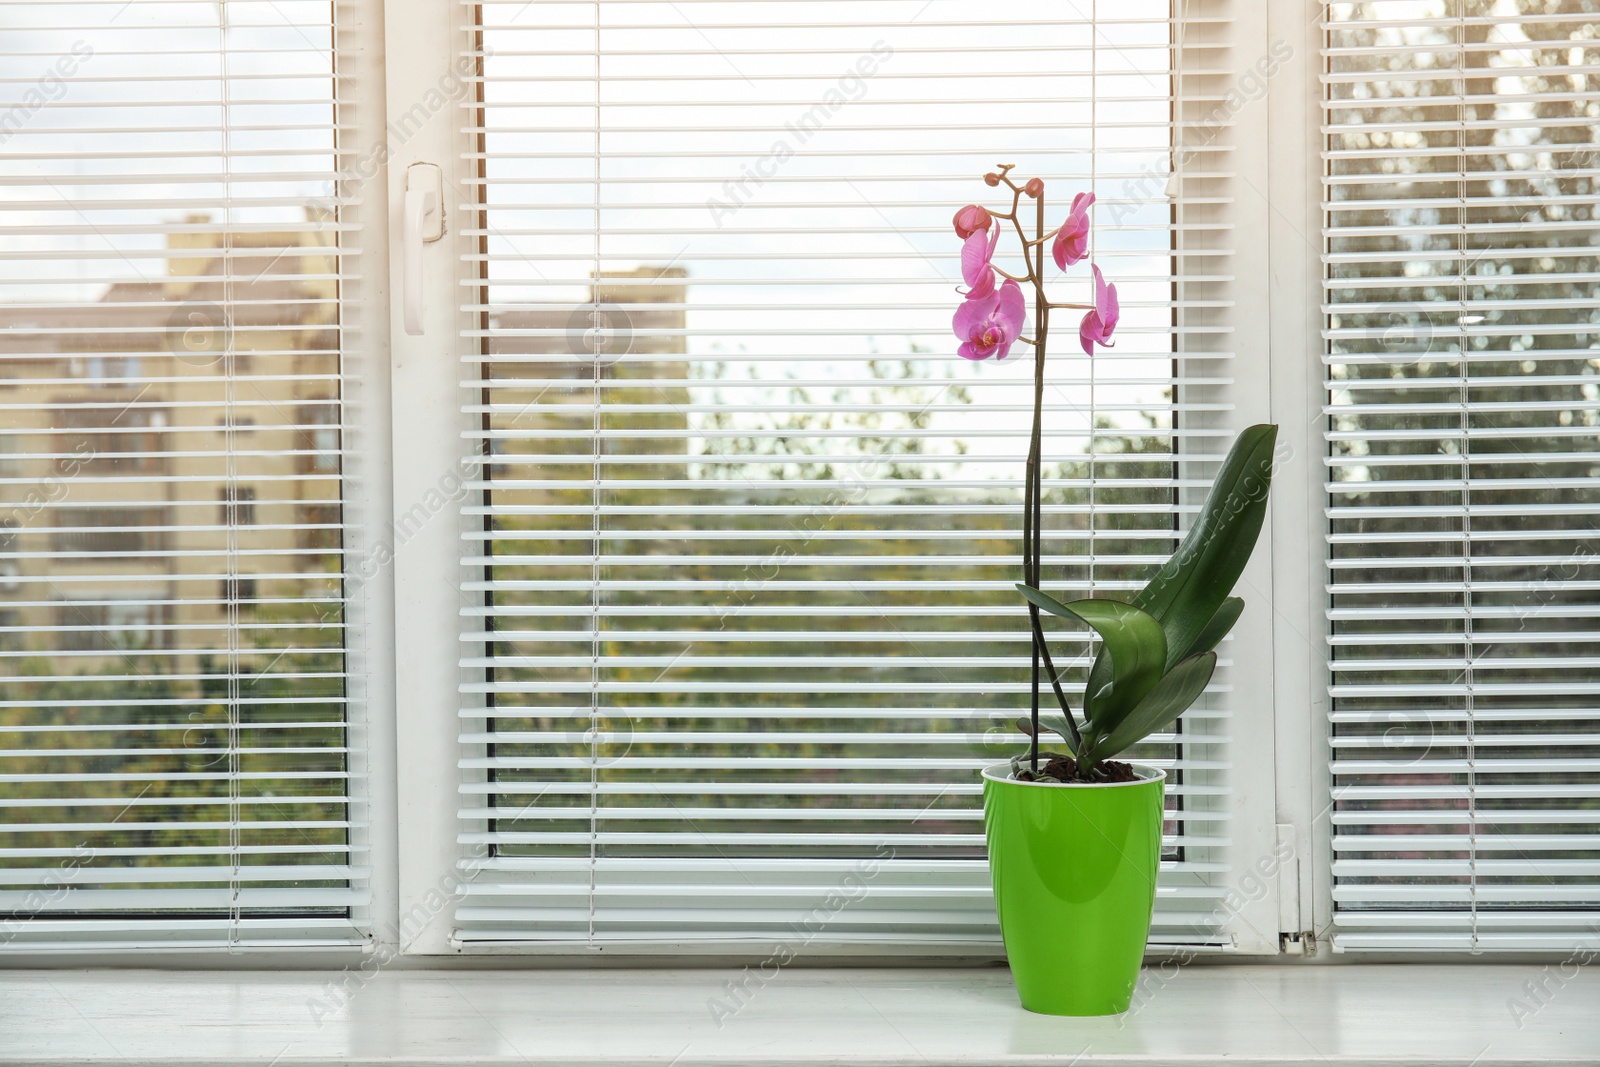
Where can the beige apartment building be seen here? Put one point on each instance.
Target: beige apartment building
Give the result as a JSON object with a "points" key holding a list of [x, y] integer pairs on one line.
{"points": [[168, 465]]}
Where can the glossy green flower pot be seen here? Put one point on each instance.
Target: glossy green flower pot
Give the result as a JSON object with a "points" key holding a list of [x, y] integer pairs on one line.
{"points": [[1074, 869]]}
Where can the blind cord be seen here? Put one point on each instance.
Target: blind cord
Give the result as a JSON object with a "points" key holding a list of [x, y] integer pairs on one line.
{"points": [[1094, 151], [594, 336], [1462, 342], [231, 496]]}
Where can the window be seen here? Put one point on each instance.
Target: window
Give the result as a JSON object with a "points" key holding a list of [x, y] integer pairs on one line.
{"points": [[9, 568], [666, 561], [127, 443], [239, 591], [121, 531], [741, 626], [173, 771], [114, 624], [322, 447], [10, 458], [1464, 453], [10, 631], [238, 505]]}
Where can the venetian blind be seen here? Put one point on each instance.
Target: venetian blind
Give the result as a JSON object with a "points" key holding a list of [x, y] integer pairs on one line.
{"points": [[739, 627], [173, 752], [1461, 275]]}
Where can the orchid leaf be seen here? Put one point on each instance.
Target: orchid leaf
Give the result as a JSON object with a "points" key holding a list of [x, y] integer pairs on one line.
{"points": [[1040, 599], [1054, 723], [1209, 638], [1174, 694], [1099, 676], [1188, 592], [1058, 724], [1134, 641], [1217, 628]]}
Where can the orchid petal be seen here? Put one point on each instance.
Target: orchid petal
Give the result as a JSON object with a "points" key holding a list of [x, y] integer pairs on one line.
{"points": [[1058, 248], [1106, 306], [989, 325], [972, 315], [1012, 309], [1089, 332], [1072, 239], [982, 288], [975, 256], [1099, 324]]}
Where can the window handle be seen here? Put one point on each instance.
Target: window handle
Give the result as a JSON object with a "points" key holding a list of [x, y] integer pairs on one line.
{"points": [[423, 223]]}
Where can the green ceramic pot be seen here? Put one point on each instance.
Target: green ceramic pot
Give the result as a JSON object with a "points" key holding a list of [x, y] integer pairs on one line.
{"points": [[1074, 869]]}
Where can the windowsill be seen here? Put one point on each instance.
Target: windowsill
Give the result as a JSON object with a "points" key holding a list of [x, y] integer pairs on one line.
{"points": [[1201, 1014]]}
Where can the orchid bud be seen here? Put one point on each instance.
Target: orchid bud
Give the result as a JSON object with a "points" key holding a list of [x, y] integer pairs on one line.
{"points": [[991, 179], [1034, 188], [972, 219]]}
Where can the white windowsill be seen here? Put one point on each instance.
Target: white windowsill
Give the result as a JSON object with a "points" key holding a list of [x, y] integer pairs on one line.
{"points": [[1196, 1015]]}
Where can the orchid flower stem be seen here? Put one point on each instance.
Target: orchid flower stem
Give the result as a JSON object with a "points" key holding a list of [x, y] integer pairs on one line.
{"points": [[1055, 682], [1033, 611], [1033, 503], [1034, 278], [1033, 496]]}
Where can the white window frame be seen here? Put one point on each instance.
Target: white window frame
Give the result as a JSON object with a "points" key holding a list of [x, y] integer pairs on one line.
{"points": [[1292, 195], [425, 372], [369, 468]]}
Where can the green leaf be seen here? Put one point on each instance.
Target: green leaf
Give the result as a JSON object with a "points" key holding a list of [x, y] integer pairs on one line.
{"points": [[1099, 675], [1058, 724], [1208, 639], [1188, 591], [1177, 690], [1134, 641], [1050, 721], [1217, 628], [1040, 599]]}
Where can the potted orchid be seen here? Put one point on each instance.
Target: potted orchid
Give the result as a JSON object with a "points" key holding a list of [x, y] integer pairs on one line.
{"points": [[1075, 835]]}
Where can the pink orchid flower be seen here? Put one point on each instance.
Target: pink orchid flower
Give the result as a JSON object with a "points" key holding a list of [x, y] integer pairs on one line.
{"points": [[976, 270], [989, 325], [1099, 323], [1072, 240]]}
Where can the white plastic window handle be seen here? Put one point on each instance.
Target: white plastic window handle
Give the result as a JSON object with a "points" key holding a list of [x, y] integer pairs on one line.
{"points": [[422, 222]]}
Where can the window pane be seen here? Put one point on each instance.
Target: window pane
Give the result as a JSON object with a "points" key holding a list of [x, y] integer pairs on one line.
{"points": [[749, 526], [172, 690], [1464, 450]]}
